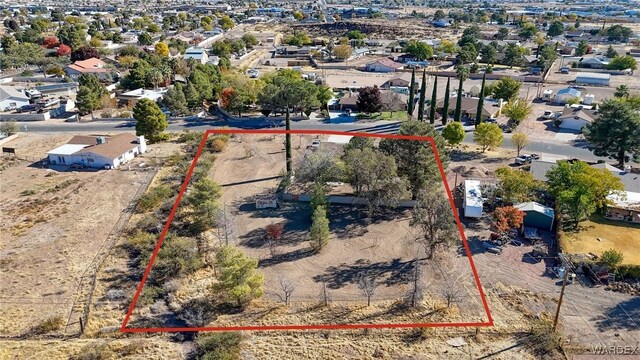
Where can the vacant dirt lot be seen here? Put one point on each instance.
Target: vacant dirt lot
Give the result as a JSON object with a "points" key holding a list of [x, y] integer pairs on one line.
{"points": [[53, 224]]}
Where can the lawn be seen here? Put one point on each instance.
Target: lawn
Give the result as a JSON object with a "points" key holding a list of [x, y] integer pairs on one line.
{"points": [[621, 236], [385, 115]]}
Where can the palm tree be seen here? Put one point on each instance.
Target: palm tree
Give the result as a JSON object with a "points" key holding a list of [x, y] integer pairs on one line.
{"points": [[463, 74]]}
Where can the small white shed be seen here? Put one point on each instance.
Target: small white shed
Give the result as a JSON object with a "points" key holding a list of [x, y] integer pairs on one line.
{"points": [[472, 199]]}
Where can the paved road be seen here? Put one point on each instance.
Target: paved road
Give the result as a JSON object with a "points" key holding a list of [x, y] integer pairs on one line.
{"points": [[570, 150]]}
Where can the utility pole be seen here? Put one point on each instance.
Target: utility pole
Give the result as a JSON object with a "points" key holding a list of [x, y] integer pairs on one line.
{"points": [[564, 284]]}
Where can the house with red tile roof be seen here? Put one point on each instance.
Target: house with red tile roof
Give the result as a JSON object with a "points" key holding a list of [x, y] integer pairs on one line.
{"points": [[88, 66]]}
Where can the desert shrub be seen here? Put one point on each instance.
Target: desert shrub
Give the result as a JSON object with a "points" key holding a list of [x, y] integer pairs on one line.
{"points": [[151, 199], [217, 145], [611, 258], [190, 136], [27, 73], [544, 340], [93, 352], [150, 294], [51, 324], [105, 114], [178, 256], [219, 346], [141, 243], [132, 348], [631, 272], [126, 114], [149, 223], [28, 192]]}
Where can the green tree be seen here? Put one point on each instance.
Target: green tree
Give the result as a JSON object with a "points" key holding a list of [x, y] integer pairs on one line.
{"points": [[580, 190], [319, 233], [218, 346], [555, 29], [434, 101], [422, 98], [622, 91], [454, 133], [611, 53], [359, 142], [488, 55], [238, 279], [506, 88], [513, 55], [433, 216], [150, 120], [619, 33], [515, 185], [325, 94], [343, 52], [318, 197], [616, 132], [527, 31], [622, 63], [518, 110], [463, 74], [445, 107], [415, 159], [419, 50], [582, 48], [226, 23], [202, 199], [145, 39], [87, 101], [467, 54], [412, 94], [519, 140], [488, 136], [481, 96], [502, 33], [93, 83], [175, 100]]}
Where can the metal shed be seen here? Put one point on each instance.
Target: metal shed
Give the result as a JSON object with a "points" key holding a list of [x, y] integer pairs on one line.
{"points": [[537, 215], [587, 78]]}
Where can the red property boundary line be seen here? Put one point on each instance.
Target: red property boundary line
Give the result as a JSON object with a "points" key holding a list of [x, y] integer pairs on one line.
{"points": [[183, 188]]}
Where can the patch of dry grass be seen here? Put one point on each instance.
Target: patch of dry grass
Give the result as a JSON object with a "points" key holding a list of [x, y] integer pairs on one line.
{"points": [[612, 234]]}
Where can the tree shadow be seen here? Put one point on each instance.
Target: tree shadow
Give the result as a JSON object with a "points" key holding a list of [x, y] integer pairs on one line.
{"points": [[286, 257], [623, 316], [460, 155], [394, 272]]}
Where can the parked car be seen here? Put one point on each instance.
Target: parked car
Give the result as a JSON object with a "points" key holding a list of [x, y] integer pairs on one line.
{"points": [[548, 115], [491, 120], [523, 159], [535, 156]]}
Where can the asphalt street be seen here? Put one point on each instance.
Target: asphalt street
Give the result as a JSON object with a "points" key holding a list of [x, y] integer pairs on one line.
{"points": [[540, 146]]}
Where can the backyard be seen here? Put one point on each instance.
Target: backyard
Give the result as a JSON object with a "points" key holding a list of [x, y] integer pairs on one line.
{"points": [[598, 234]]}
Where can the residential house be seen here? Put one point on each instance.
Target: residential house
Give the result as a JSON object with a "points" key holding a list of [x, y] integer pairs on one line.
{"points": [[624, 207], [576, 119], [597, 62], [89, 66], [138, 94], [12, 98], [100, 152], [198, 54], [402, 80], [589, 78], [564, 95], [59, 89], [383, 66]]}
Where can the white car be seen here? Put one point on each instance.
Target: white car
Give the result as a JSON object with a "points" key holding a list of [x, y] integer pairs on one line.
{"points": [[548, 115], [523, 159]]}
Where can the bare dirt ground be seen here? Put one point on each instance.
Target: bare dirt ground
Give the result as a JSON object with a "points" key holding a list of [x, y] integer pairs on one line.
{"points": [[252, 166], [54, 222]]}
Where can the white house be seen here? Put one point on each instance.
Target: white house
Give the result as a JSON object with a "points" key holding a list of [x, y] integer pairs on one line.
{"points": [[138, 94], [383, 66], [472, 199], [576, 119], [101, 152], [11, 98], [197, 53], [562, 96], [595, 62]]}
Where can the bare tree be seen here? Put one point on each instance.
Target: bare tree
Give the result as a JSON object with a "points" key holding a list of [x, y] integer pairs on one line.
{"points": [[287, 288], [391, 102], [368, 283], [225, 226], [319, 166], [274, 235], [452, 294], [416, 293], [325, 296], [433, 215]]}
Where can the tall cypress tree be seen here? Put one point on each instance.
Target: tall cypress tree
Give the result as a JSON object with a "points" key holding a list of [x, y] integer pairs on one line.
{"points": [[434, 94], [423, 90], [480, 101], [445, 108], [412, 94], [463, 73]]}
